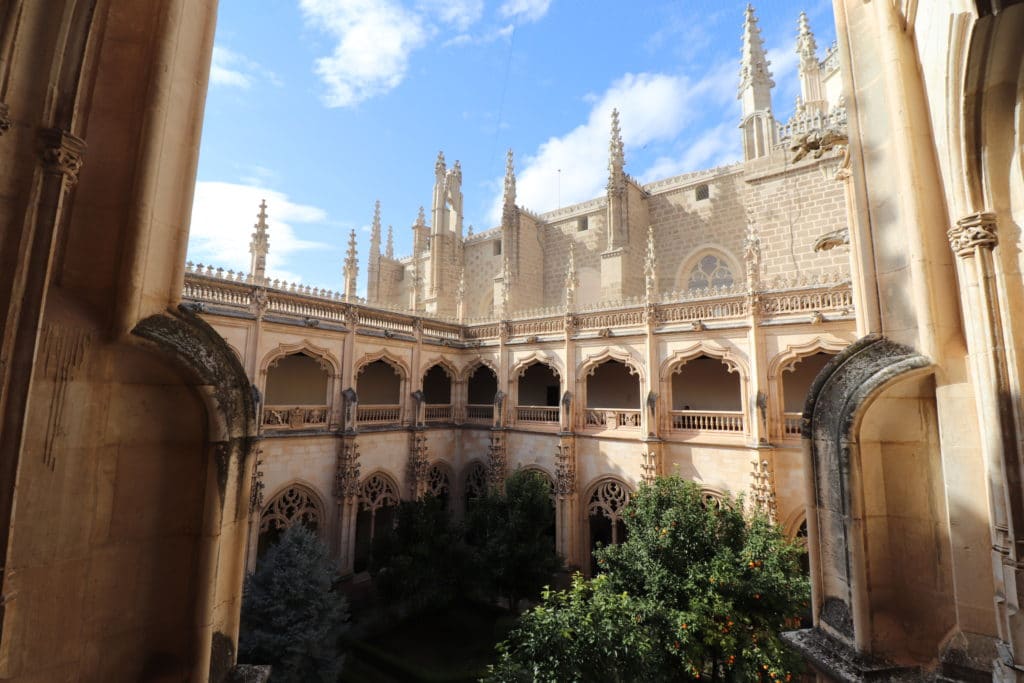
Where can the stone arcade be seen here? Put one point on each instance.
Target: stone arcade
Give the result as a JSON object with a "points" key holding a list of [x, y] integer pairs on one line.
{"points": [[570, 341]]}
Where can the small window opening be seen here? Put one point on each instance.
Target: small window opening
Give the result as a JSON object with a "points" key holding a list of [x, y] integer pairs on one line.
{"points": [[582, 224], [497, 247], [702, 192]]}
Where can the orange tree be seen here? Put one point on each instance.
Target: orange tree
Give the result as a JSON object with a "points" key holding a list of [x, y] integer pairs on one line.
{"points": [[695, 592]]}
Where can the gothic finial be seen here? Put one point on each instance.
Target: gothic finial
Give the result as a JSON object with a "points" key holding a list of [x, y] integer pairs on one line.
{"points": [[439, 165], [754, 63], [390, 251], [375, 229], [421, 218], [806, 46], [351, 269], [616, 149], [510, 179], [260, 245], [457, 169]]}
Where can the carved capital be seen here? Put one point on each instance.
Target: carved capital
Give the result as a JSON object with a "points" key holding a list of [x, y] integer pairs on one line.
{"points": [[972, 232], [5, 118], [62, 153]]}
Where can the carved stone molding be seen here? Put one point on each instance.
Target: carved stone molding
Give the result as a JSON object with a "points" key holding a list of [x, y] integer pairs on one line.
{"points": [[972, 232], [5, 118], [62, 153], [419, 466], [497, 460], [256, 491]]}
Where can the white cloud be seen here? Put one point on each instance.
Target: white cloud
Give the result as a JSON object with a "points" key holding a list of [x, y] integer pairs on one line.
{"points": [[651, 107], [502, 33], [233, 69], [714, 147], [525, 10], [375, 39], [459, 13], [784, 61], [223, 215]]}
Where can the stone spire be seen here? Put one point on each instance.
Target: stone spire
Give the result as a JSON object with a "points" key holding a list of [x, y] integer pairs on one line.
{"points": [[351, 269], [259, 246], [375, 231], [616, 155], [389, 251], [755, 92], [755, 78], [809, 68], [572, 280], [650, 268]]}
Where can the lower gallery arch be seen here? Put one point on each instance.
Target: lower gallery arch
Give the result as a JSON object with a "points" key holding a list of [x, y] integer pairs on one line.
{"points": [[606, 503], [378, 504], [295, 504]]}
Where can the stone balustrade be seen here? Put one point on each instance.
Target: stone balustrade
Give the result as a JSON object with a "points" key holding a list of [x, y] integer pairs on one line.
{"points": [[791, 425], [480, 412], [541, 414], [438, 413], [707, 420], [378, 414]]}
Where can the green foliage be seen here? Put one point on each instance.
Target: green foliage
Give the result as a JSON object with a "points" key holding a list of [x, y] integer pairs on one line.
{"points": [[514, 557], [291, 616], [705, 590], [424, 561], [586, 633]]}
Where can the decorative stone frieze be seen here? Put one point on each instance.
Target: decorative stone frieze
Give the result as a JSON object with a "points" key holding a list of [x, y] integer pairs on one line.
{"points": [[497, 459], [976, 231], [257, 487], [419, 467], [762, 489], [651, 465], [62, 153], [346, 477], [565, 468]]}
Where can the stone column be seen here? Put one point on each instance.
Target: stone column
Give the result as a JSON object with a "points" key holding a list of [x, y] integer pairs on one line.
{"points": [[566, 517], [346, 497], [255, 508], [973, 239]]}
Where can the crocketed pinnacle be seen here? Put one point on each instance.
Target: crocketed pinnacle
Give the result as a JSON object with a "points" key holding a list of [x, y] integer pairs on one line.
{"points": [[259, 246], [390, 250], [510, 179], [754, 61], [375, 229], [806, 46]]}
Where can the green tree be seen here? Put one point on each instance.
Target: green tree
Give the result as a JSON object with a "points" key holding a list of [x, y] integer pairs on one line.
{"points": [[513, 554], [423, 561], [291, 616], [708, 590]]}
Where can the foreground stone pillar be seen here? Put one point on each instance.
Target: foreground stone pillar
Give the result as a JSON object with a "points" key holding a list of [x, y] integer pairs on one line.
{"points": [[346, 497], [566, 517]]}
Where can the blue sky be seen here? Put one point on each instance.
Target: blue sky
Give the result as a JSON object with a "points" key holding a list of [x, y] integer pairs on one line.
{"points": [[325, 106]]}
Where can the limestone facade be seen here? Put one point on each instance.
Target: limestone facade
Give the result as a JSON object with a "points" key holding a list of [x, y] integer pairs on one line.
{"points": [[672, 327]]}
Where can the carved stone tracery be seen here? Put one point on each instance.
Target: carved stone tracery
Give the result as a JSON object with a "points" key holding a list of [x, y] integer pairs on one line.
{"points": [[476, 481], [346, 477], [377, 492], [295, 505], [565, 469], [609, 500]]}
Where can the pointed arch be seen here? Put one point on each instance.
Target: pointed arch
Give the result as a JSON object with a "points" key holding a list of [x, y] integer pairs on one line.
{"points": [[623, 355], [440, 480], [400, 367], [470, 368], [321, 355], [537, 356], [786, 360], [378, 489], [732, 358], [446, 364], [296, 501]]}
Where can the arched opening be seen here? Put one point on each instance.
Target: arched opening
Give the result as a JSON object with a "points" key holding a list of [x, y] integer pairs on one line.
{"points": [[481, 389], [378, 504], [437, 394], [706, 396], [796, 382], [439, 484], [294, 505], [475, 485], [379, 388], [538, 390], [297, 393], [613, 397], [605, 508]]}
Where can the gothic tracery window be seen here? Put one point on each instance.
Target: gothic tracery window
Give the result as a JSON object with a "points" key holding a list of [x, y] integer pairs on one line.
{"points": [[294, 505], [710, 271], [378, 500], [438, 483], [377, 492]]}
